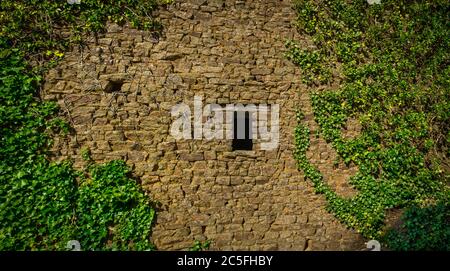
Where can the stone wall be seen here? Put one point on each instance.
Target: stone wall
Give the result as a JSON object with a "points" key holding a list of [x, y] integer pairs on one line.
{"points": [[118, 90]]}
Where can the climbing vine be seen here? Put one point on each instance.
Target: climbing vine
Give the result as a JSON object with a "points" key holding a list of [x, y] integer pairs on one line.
{"points": [[424, 229], [43, 29], [111, 207], [390, 61], [200, 246], [43, 204]]}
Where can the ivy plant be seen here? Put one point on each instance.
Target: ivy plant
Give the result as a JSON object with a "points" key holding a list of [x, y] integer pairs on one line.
{"points": [[390, 61], [43, 205]]}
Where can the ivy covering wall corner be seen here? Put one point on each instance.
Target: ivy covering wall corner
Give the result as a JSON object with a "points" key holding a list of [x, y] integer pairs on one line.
{"points": [[394, 78], [43, 204]]}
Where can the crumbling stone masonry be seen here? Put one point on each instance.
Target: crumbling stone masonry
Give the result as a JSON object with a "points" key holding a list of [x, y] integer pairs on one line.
{"points": [[118, 92]]}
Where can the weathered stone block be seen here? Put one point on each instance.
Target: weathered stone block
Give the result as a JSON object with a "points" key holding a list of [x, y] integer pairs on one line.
{"points": [[191, 156]]}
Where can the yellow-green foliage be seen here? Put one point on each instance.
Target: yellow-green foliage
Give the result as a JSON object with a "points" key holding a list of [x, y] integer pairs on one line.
{"points": [[395, 79], [43, 205]]}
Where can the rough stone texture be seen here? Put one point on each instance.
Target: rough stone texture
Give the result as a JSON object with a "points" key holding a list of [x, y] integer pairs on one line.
{"points": [[118, 92]]}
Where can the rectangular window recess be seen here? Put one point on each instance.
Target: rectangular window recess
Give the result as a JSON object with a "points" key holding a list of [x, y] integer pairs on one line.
{"points": [[242, 131]]}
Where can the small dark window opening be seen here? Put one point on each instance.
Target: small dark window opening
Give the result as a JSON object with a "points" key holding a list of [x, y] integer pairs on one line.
{"points": [[242, 137], [114, 86]]}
